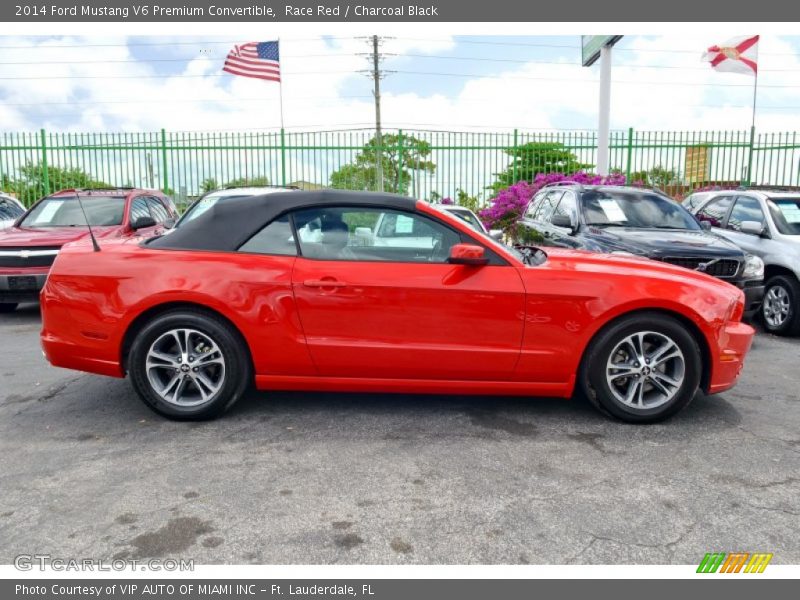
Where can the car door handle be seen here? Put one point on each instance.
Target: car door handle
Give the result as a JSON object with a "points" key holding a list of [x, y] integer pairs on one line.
{"points": [[329, 283]]}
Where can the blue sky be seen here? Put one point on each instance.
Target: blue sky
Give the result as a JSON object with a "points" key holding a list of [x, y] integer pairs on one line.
{"points": [[464, 82]]}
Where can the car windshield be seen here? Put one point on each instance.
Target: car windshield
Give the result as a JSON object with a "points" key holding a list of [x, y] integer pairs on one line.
{"points": [[202, 205], [469, 217], [65, 211], [635, 209], [9, 210], [786, 214]]}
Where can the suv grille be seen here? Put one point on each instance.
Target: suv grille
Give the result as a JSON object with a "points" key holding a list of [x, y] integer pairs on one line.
{"points": [[41, 256], [723, 268]]}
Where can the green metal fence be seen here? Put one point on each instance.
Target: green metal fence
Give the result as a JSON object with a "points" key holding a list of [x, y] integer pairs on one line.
{"points": [[425, 164]]}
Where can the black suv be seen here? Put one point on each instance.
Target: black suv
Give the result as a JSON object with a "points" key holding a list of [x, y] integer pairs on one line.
{"points": [[640, 221]]}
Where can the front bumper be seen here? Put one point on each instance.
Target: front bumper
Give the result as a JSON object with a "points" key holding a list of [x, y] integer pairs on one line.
{"points": [[734, 342], [23, 285], [753, 294]]}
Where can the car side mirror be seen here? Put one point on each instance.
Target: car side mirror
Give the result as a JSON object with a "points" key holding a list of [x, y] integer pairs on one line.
{"points": [[705, 225], [169, 223], [143, 223], [496, 235], [752, 227], [564, 221], [467, 254]]}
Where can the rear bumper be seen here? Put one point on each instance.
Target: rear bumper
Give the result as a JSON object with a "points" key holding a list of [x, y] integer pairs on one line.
{"points": [[735, 340], [60, 353], [22, 285]]}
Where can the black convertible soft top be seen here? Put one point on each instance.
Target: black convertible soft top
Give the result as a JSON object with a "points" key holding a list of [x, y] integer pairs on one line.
{"points": [[230, 223]]}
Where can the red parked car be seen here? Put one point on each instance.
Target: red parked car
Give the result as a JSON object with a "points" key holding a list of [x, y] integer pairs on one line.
{"points": [[299, 291], [28, 248]]}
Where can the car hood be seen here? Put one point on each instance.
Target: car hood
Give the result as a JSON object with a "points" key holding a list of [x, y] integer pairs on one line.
{"points": [[51, 236], [664, 242], [639, 267]]}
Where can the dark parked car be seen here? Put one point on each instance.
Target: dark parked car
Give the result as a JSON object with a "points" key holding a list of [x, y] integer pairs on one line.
{"points": [[642, 222]]}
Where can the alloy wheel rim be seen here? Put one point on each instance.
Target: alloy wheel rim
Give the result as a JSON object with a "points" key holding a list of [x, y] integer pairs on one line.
{"points": [[185, 367], [645, 370], [776, 306]]}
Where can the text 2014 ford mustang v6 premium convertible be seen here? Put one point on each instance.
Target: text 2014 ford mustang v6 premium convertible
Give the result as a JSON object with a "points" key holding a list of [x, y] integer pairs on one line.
{"points": [[291, 291]]}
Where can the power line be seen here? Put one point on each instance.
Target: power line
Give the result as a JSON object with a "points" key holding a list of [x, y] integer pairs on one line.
{"points": [[577, 47], [159, 60], [203, 42], [177, 101], [563, 80], [174, 76]]}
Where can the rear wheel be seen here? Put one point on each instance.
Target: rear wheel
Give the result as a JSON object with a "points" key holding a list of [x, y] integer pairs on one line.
{"points": [[189, 365], [780, 310], [642, 368], [7, 308]]}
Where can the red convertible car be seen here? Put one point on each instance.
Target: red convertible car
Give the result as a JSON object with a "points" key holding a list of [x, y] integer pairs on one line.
{"points": [[350, 291]]}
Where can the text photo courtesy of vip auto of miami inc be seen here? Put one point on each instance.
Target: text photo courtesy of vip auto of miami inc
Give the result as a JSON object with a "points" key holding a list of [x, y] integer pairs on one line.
{"points": [[411, 298]]}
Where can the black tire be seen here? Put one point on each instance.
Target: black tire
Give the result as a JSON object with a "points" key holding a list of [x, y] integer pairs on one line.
{"points": [[597, 389], [791, 287], [232, 348], [8, 308]]}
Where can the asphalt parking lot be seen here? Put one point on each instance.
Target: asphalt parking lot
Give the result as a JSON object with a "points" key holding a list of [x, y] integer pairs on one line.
{"points": [[88, 471]]}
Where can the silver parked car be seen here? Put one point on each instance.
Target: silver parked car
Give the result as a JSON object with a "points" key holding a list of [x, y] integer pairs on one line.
{"points": [[767, 224]]}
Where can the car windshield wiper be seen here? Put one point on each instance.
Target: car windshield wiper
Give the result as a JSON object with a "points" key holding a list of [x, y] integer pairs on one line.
{"points": [[607, 225]]}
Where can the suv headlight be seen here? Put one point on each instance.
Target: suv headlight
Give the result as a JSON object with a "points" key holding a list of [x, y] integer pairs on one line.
{"points": [[753, 267]]}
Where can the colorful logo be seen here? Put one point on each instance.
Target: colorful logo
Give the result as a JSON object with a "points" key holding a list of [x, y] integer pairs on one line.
{"points": [[735, 562]]}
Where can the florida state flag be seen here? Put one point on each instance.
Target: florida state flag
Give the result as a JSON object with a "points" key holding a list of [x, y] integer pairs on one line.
{"points": [[737, 55]]}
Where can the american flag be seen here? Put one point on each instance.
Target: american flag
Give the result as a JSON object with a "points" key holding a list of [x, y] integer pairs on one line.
{"points": [[254, 59]]}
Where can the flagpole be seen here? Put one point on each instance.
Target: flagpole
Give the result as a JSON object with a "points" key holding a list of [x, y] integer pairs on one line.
{"points": [[752, 131], [280, 82], [755, 96]]}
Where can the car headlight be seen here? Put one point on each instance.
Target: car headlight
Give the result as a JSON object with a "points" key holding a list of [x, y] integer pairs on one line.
{"points": [[753, 267]]}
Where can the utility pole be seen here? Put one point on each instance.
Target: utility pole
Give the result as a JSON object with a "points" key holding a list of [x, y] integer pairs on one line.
{"points": [[376, 79]]}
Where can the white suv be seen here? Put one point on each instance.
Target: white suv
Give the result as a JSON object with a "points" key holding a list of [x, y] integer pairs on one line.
{"points": [[767, 224]]}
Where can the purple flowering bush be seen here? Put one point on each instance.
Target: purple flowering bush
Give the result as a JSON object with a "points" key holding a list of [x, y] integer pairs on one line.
{"points": [[508, 206], [447, 201]]}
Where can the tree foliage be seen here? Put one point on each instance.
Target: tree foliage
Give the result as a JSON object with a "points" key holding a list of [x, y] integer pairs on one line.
{"points": [[534, 158], [29, 186], [400, 162]]}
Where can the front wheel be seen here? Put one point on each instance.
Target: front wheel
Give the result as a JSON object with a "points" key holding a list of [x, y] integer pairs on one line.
{"points": [[643, 368], [7, 307], [780, 309], [189, 365]]}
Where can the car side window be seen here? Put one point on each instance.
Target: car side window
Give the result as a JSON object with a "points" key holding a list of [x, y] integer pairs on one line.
{"points": [[549, 203], [567, 206], [372, 234], [157, 210], [714, 212], [745, 209], [275, 238], [139, 208]]}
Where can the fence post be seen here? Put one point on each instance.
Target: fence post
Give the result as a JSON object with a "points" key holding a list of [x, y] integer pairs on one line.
{"points": [[283, 158], [516, 158], [630, 156], [399, 161], [164, 174], [45, 171], [749, 178]]}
